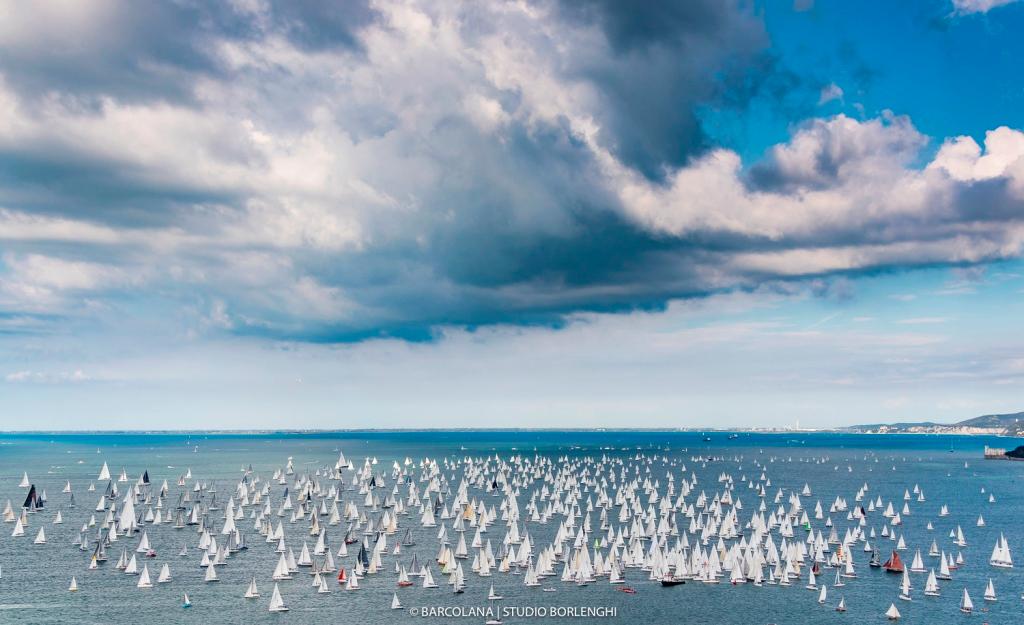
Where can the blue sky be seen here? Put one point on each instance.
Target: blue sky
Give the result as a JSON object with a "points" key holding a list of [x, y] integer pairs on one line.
{"points": [[397, 213]]}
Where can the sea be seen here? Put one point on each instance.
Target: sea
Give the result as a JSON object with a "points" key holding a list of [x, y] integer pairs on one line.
{"points": [[948, 469]]}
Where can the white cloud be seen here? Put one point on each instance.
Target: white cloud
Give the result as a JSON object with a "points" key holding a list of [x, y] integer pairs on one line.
{"points": [[830, 92], [27, 376], [395, 177], [963, 159], [967, 7]]}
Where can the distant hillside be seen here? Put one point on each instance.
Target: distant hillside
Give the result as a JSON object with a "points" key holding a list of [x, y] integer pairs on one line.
{"points": [[1013, 421], [1000, 424]]}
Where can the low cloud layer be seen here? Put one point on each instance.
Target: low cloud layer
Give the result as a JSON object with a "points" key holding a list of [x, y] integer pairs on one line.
{"points": [[390, 167]]}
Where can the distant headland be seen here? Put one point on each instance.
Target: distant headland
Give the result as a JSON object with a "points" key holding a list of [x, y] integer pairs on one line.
{"points": [[1011, 424]]}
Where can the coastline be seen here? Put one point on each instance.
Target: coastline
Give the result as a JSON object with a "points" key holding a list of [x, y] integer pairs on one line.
{"points": [[263, 432]]}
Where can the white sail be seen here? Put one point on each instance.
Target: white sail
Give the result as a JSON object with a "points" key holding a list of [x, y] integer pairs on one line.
{"points": [[74, 585], [892, 613], [251, 592], [990, 591], [966, 605], [905, 586], [277, 602], [165, 574], [395, 603], [144, 581]]}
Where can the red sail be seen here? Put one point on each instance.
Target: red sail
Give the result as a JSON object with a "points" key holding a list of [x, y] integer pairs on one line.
{"points": [[893, 564]]}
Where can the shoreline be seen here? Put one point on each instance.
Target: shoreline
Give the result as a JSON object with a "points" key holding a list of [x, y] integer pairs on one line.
{"points": [[255, 432]]}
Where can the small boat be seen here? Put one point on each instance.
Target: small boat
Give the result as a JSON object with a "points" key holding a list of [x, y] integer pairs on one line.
{"points": [[823, 595], [966, 605], [395, 603], [842, 605], [931, 587], [74, 585], [493, 596], [251, 592], [628, 590], [892, 613], [144, 581], [893, 564], [1001, 554], [276, 601], [905, 587], [990, 591], [185, 602]]}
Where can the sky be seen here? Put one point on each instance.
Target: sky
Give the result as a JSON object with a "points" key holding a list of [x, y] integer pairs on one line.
{"points": [[533, 213]]}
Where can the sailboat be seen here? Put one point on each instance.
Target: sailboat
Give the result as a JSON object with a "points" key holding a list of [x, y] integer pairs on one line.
{"points": [[251, 592], [842, 605], [144, 581], [276, 601], [428, 579], [1001, 554], [892, 613], [811, 583], [905, 587], [931, 587], [493, 596], [74, 585], [990, 591], [185, 602], [966, 605], [165, 574], [211, 574], [893, 564], [823, 594], [395, 603], [839, 580], [944, 572], [917, 566]]}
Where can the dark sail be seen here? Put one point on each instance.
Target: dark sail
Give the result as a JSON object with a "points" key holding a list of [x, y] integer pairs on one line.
{"points": [[30, 500]]}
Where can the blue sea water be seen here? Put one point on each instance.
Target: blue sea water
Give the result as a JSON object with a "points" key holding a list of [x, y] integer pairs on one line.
{"points": [[949, 469]]}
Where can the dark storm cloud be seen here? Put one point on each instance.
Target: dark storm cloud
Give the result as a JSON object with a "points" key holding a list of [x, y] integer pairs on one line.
{"points": [[667, 59]]}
